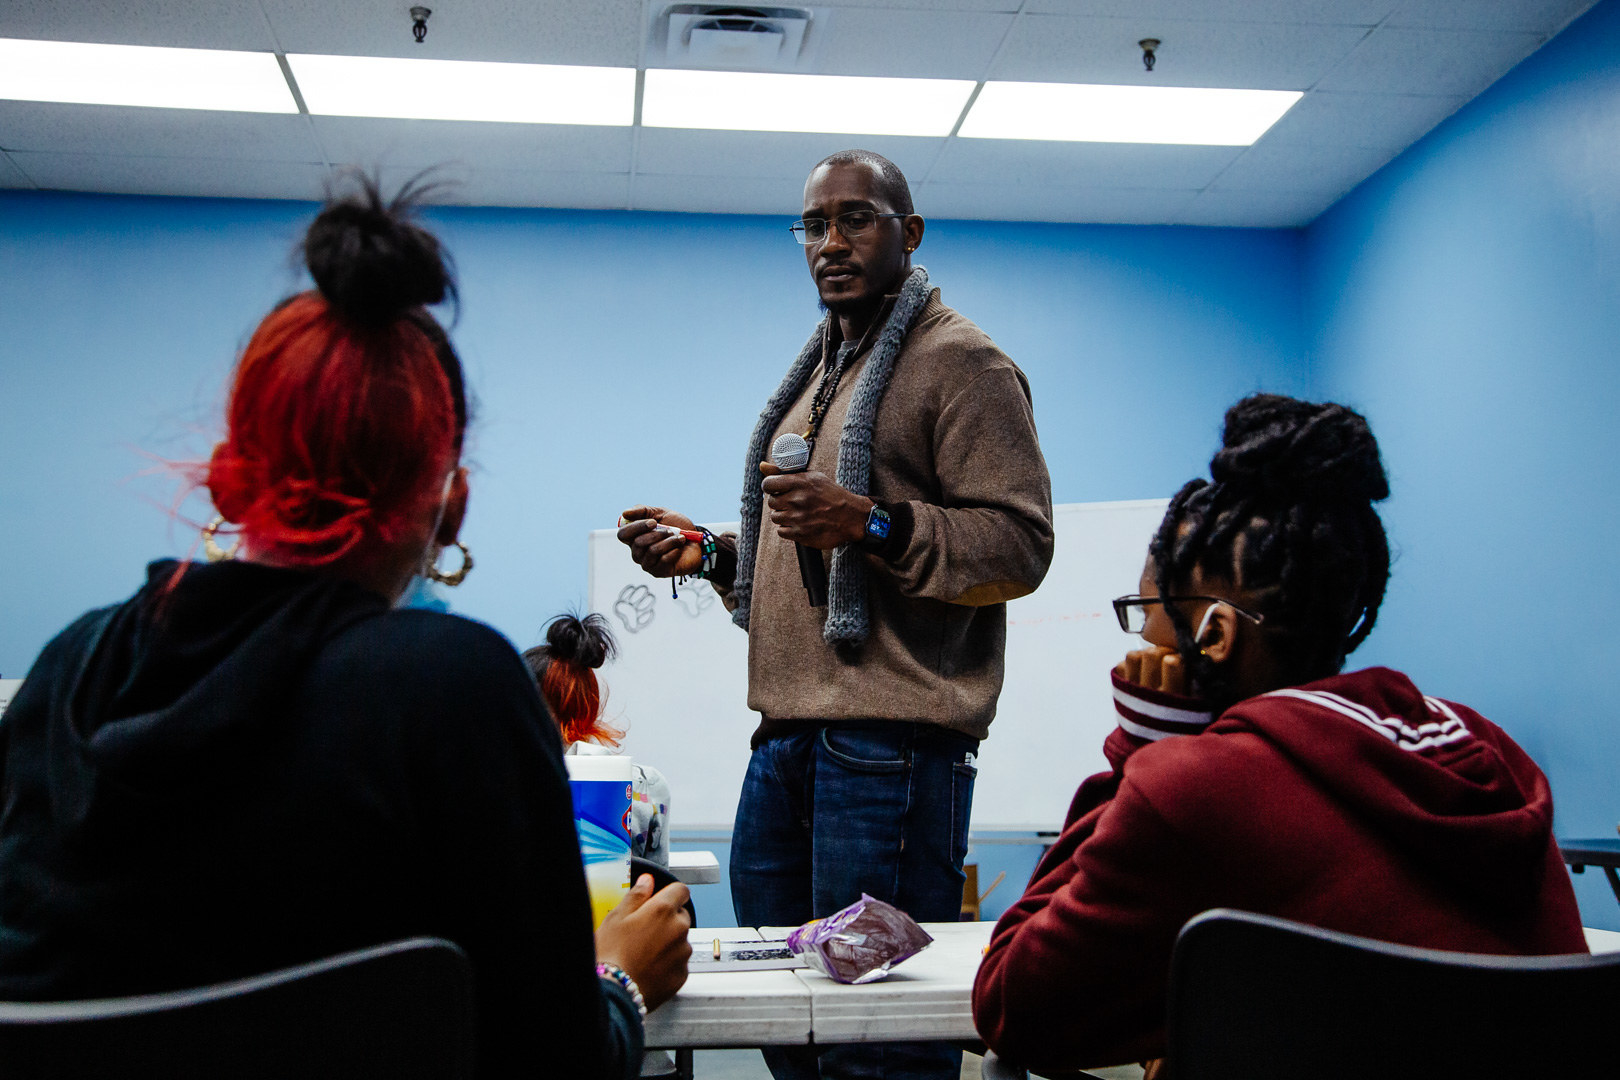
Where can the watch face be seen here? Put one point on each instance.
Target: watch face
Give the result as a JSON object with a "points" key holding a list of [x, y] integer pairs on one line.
{"points": [[877, 524]]}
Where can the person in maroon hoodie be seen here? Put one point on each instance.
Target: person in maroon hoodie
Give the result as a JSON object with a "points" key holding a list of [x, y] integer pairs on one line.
{"points": [[1248, 773]]}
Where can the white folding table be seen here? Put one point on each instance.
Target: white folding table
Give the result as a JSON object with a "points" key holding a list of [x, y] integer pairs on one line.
{"points": [[926, 997]]}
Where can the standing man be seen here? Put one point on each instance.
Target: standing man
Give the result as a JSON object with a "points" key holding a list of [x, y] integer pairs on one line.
{"points": [[927, 494]]}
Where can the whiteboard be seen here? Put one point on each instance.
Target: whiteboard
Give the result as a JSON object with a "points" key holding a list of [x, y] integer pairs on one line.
{"points": [[680, 681]]}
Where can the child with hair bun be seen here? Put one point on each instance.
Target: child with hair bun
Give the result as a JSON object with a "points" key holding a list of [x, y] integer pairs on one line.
{"points": [[565, 667], [263, 760], [1248, 772]]}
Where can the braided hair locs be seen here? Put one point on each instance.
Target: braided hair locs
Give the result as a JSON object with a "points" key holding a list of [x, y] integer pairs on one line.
{"points": [[1287, 517]]}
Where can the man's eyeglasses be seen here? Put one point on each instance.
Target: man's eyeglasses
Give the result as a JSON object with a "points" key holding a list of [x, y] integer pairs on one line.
{"points": [[1131, 611], [813, 230]]}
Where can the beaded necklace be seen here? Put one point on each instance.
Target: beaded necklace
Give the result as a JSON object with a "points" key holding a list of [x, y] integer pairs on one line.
{"points": [[827, 389]]}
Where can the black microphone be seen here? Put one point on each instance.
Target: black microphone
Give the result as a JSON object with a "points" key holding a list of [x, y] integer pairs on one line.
{"points": [[791, 454]]}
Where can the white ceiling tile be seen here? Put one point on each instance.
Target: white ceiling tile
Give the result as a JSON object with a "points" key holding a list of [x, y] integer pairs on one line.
{"points": [[1389, 121], [547, 147], [1000, 202], [192, 133], [522, 187], [773, 154], [1256, 209], [911, 44], [175, 176], [777, 197], [1343, 12], [1429, 61], [1540, 16], [1073, 165], [1255, 56], [1291, 167], [195, 24], [591, 32], [11, 176]]}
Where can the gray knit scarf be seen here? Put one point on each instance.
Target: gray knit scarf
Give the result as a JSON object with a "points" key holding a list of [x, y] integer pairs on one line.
{"points": [[846, 621]]}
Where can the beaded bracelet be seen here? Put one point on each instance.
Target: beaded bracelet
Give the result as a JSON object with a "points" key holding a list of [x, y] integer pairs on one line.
{"points": [[617, 974], [710, 547]]}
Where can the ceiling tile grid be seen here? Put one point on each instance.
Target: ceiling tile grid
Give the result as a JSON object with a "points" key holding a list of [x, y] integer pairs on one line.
{"points": [[1254, 56], [770, 154], [1377, 75], [96, 129], [1441, 62], [1251, 209], [175, 176], [420, 143], [190, 24], [10, 175], [1387, 121], [1329, 169], [775, 196], [1078, 165], [982, 201], [1540, 16], [519, 187], [604, 33]]}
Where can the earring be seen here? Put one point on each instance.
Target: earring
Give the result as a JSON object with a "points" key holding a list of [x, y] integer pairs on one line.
{"points": [[211, 549], [458, 576]]}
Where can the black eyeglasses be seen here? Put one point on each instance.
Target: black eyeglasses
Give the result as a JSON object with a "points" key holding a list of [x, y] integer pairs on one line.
{"points": [[813, 230], [1131, 611]]}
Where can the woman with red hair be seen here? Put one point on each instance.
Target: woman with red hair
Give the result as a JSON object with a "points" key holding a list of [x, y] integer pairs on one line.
{"points": [[565, 667], [261, 760]]}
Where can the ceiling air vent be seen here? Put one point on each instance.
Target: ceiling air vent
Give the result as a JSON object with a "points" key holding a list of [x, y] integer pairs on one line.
{"points": [[727, 36]]}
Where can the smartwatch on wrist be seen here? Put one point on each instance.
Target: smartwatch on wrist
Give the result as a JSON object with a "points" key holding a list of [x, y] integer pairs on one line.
{"points": [[878, 525]]}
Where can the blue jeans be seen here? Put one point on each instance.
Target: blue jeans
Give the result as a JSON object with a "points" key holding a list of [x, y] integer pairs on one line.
{"points": [[828, 813]]}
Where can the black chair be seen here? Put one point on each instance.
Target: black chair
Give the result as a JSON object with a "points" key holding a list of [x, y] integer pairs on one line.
{"points": [[402, 1011], [659, 1063], [661, 877], [1262, 998], [1600, 852]]}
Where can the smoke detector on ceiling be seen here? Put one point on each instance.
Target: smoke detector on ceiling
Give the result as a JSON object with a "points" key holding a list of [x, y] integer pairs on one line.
{"points": [[729, 36]]}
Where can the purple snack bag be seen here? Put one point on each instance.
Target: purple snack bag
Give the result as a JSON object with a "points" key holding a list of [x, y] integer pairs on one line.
{"points": [[860, 943]]}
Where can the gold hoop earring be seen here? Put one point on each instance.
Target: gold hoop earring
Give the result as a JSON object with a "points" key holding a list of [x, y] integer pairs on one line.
{"points": [[211, 549], [457, 576]]}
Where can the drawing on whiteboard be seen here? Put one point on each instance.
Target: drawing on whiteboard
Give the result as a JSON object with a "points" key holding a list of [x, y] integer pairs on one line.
{"points": [[635, 607], [696, 597]]}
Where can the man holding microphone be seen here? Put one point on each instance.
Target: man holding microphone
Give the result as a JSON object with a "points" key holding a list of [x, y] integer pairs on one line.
{"points": [[924, 506]]}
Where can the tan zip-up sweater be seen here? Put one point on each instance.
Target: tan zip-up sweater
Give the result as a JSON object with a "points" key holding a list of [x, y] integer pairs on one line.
{"points": [[954, 440]]}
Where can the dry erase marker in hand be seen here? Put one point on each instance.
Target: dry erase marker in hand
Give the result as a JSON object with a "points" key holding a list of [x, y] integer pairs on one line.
{"points": [[687, 534]]}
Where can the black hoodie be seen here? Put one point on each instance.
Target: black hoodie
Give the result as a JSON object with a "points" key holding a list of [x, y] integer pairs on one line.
{"points": [[260, 767]]}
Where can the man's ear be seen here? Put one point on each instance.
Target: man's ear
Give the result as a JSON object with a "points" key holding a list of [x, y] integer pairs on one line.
{"points": [[911, 231], [455, 509], [1216, 635]]}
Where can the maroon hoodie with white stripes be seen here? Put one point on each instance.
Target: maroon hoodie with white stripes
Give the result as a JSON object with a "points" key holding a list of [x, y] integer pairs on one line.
{"points": [[1354, 803]]}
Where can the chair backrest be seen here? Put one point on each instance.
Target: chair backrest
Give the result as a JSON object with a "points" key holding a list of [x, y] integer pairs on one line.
{"points": [[1262, 998], [403, 1010], [661, 877]]}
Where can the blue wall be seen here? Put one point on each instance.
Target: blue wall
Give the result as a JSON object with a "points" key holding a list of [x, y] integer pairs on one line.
{"points": [[617, 357], [1467, 298]]}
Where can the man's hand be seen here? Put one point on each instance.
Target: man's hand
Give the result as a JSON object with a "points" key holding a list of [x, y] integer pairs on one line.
{"points": [[1156, 668], [646, 936], [810, 508], [660, 554]]}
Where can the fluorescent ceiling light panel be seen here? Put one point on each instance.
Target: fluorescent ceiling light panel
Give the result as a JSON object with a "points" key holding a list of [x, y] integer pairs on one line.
{"points": [[411, 89], [162, 78], [837, 104], [1070, 112]]}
